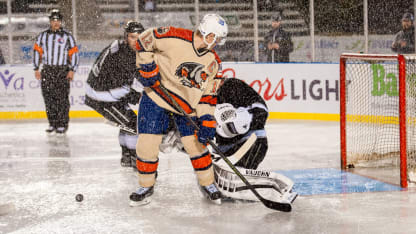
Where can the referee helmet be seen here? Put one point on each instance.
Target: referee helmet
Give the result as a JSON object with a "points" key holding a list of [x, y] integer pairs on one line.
{"points": [[55, 14]]}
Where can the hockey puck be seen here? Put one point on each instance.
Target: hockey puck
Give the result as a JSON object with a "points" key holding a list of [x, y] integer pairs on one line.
{"points": [[79, 197]]}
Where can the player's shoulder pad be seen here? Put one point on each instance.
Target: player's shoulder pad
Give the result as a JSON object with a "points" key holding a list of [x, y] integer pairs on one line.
{"points": [[172, 32], [115, 46]]}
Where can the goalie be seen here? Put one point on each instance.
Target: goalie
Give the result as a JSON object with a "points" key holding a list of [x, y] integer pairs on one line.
{"points": [[241, 115]]}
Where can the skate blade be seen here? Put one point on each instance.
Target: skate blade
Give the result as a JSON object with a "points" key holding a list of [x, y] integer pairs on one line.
{"points": [[205, 196], [216, 202], [140, 203]]}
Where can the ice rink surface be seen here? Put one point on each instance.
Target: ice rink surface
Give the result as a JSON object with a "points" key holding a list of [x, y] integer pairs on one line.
{"points": [[40, 176]]}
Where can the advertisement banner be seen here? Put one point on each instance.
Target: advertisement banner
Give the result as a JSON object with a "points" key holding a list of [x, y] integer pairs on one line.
{"points": [[300, 89], [20, 90]]}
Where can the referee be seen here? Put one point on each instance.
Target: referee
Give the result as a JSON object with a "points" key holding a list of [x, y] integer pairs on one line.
{"points": [[57, 50]]}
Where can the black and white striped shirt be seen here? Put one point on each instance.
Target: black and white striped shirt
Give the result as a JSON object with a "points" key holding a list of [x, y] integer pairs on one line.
{"points": [[56, 49]]}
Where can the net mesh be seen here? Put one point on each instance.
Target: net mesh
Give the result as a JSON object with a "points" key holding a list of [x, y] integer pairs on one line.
{"points": [[372, 113]]}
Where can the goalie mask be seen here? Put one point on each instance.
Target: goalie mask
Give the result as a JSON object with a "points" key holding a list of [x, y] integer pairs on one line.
{"points": [[230, 121], [213, 23]]}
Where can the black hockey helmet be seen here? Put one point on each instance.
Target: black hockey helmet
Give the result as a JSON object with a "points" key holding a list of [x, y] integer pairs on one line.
{"points": [[133, 27], [55, 14]]}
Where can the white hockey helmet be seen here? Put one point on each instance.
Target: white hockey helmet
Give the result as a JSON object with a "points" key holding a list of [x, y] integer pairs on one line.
{"points": [[213, 23]]}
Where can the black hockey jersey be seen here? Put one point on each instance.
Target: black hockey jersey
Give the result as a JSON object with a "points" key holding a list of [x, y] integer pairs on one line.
{"points": [[115, 67], [240, 94]]}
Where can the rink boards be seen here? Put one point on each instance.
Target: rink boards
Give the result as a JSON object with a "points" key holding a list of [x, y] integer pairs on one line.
{"points": [[291, 90]]}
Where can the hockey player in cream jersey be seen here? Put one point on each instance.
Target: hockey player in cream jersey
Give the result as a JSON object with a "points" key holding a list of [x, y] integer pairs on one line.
{"points": [[184, 63]]}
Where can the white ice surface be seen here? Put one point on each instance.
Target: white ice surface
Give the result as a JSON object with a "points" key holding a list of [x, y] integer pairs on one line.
{"points": [[41, 175]]}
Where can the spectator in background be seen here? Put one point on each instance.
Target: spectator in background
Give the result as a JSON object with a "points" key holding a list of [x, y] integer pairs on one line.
{"points": [[230, 56], [404, 40], [2, 60], [278, 42], [149, 5]]}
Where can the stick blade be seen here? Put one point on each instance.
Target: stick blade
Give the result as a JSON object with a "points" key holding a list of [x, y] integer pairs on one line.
{"points": [[284, 207]]}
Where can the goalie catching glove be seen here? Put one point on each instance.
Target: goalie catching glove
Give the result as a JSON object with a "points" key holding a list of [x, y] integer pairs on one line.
{"points": [[230, 121], [133, 97]]}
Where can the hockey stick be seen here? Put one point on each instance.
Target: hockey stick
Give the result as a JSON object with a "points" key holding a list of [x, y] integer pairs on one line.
{"points": [[122, 127], [285, 207]]}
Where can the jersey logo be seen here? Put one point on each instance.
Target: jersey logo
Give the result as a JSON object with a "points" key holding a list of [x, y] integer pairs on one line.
{"points": [[191, 74], [60, 40]]}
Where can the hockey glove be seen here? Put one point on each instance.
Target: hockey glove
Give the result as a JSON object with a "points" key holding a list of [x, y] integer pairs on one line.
{"points": [[206, 128], [133, 97], [149, 74]]}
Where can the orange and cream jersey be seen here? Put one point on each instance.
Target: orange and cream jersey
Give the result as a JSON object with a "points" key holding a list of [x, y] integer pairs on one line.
{"points": [[189, 75]]}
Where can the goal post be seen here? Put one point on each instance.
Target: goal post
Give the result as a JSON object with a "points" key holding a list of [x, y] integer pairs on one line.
{"points": [[378, 113]]}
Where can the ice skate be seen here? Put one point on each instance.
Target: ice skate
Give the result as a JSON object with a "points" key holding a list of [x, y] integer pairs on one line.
{"points": [[50, 131], [60, 131], [126, 160], [212, 193], [141, 196]]}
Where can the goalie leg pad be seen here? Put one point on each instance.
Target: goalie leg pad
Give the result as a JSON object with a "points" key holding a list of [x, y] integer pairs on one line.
{"points": [[147, 150], [269, 185], [255, 155]]}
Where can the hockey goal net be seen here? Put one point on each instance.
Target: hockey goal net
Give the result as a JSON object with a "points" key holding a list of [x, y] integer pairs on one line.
{"points": [[378, 114]]}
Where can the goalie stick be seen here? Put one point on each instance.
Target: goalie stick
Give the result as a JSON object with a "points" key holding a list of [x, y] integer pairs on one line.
{"points": [[280, 206]]}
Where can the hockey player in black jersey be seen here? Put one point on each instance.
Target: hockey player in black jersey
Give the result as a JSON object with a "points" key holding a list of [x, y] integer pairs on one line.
{"points": [[109, 89]]}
